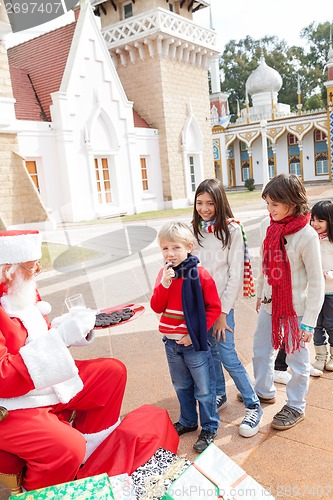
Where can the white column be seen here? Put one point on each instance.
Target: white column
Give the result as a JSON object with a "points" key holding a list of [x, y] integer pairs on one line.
{"points": [[215, 76], [265, 169]]}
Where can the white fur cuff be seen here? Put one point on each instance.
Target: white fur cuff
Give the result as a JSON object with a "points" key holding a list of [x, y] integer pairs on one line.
{"points": [[48, 360]]}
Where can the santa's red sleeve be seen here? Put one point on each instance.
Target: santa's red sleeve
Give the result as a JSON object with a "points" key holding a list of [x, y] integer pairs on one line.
{"points": [[42, 363]]}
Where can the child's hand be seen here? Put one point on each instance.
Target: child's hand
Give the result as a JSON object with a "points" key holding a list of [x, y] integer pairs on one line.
{"points": [[220, 326], [186, 340], [305, 336], [258, 304], [328, 275], [168, 274]]}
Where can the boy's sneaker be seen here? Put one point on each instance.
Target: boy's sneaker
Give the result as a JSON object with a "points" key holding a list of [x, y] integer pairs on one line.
{"points": [[181, 429], [287, 418], [204, 440], [221, 402], [281, 377], [250, 425]]}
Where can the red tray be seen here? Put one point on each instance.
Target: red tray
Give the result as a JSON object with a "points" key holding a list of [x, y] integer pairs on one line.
{"points": [[138, 309]]}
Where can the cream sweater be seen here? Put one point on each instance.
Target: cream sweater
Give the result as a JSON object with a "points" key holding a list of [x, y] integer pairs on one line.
{"points": [[303, 251], [225, 265], [326, 250]]}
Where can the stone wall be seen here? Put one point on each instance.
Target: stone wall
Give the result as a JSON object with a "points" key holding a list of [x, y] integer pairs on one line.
{"points": [[19, 199], [163, 91]]}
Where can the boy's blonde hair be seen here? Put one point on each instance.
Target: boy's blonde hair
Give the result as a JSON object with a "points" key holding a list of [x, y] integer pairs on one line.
{"points": [[175, 231]]}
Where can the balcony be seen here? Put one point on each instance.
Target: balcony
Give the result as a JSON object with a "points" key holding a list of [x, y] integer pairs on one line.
{"points": [[162, 24]]}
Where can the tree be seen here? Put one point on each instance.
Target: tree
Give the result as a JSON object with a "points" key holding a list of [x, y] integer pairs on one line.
{"points": [[240, 58], [317, 36]]}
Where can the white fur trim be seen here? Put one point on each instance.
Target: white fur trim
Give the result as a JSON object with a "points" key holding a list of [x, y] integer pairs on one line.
{"points": [[95, 439], [16, 247], [48, 360], [30, 316], [68, 389], [33, 399], [44, 307]]}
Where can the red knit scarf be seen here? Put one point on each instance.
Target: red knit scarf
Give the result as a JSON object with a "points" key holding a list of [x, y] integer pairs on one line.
{"points": [[276, 267]]}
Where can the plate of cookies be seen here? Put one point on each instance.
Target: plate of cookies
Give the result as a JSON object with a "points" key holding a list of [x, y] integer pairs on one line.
{"points": [[117, 315]]}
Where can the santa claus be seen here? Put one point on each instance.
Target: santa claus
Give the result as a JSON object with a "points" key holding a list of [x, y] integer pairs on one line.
{"points": [[40, 382]]}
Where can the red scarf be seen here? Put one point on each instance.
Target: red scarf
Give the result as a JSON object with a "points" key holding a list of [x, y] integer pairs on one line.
{"points": [[276, 267]]}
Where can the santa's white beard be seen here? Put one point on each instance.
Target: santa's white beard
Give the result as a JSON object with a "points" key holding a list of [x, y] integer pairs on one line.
{"points": [[22, 292]]}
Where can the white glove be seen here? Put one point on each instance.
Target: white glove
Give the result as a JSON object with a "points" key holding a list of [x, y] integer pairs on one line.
{"points": [[77, 326], [58, 320]]}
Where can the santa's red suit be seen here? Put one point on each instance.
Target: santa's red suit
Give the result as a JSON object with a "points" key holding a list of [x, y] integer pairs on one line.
{"points": [[39, 383]]}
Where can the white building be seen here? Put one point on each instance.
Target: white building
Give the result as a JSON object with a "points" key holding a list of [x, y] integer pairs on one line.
{"points": [[104, 124], [88, 153], [267, 139]]}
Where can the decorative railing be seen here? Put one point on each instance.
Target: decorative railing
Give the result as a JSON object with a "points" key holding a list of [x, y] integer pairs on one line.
{"points": [[158, 21], [278, 116]]}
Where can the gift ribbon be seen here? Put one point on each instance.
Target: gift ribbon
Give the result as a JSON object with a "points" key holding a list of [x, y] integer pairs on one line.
{"points": [[212, 480], [204, 473], [154, 485]]}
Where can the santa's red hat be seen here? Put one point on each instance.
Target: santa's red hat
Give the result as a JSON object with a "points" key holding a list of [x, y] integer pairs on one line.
{"points": [[20, 246]]}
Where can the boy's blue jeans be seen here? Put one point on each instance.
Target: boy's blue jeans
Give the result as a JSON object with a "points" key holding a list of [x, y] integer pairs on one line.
{"points": [[193, 377], [225, 353]]}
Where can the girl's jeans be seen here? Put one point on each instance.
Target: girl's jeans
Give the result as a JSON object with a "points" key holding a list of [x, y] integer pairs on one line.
{"points": [[325, 323], [193, 377], [263, 365], [225, 353]]}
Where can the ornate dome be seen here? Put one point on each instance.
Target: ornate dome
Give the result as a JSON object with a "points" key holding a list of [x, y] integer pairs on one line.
{"points": [[263, 79]]}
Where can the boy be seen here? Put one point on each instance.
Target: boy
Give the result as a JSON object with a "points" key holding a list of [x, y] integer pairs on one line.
{"points": [[186, 297]]}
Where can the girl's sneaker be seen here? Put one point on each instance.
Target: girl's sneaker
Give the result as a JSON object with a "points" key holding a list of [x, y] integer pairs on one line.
{"points": [[314, 372], [250, 425]]}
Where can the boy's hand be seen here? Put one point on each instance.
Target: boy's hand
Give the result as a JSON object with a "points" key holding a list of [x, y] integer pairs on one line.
{"points": [[186, 340], [258, 304], [168, 274]]}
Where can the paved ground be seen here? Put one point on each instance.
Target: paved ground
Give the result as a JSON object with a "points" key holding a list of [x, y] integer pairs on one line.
{"points": [[292, 464]]}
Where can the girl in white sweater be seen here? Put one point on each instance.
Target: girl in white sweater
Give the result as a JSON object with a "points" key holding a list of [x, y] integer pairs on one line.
{"points": [[322, 222], [222, 250], [290, 294]]}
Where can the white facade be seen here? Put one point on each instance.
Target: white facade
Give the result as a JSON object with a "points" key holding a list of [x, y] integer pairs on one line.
{"points": [[267, 139], [91, 129]]}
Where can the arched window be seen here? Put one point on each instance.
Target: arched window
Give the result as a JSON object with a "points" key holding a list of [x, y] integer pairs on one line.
{"points": [[321, 163], [294, 165], [245, 170], [319, 135], [271, 168], [292, 140]]}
